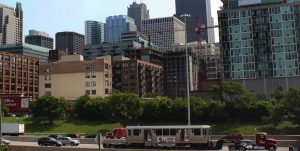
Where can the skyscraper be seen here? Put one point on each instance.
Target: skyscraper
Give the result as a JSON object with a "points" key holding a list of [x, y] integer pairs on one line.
{"points": [[139, 13], [94, 32], [72, 42], [11, 24], [259, 41], [116, 25], [197, 9], [163, 33], [39, 38]]}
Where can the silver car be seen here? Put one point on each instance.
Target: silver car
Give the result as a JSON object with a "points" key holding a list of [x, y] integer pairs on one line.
{"points": [[68, 141]]}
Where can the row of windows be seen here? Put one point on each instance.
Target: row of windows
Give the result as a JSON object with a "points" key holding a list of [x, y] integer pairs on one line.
{"points": [[90, 84], [168, 132]]}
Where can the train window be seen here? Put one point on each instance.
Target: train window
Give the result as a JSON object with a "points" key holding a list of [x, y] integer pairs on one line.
{"points": [[136, 132], [204, 131], [197, 132], [172, 132], [166, 132], [129, 132], [159, 132]]}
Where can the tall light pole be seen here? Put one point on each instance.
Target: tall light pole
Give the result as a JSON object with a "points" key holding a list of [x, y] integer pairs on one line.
{"points": [[187, 71]]}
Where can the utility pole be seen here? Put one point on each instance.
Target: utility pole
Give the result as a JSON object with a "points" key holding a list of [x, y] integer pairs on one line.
{"points": [[187, 71]]}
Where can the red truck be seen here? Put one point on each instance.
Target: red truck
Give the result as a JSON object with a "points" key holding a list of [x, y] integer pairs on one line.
{"points": [[261, 143]]}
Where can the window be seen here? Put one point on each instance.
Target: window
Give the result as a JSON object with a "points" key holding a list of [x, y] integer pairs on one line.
{"points": [[106, 83], [48, 85], [173, 132], [106, 91], [87, 84], [94, 92], [136, 132], [166, 132], [93, 74], [106, 66], [204, 131], [87, 92], [129, 132], [93, 83], [197, 132], [159, 132], [87, 75], [106, 74]]}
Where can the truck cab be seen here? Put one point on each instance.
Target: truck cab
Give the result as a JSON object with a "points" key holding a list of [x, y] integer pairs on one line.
{"points": [[263, 140]]}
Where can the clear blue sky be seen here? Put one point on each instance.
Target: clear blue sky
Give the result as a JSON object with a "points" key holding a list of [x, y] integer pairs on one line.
{"points": [[53, 16]]}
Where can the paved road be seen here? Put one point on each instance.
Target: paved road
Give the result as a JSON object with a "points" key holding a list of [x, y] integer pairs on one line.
{"points": [[95, 147]]}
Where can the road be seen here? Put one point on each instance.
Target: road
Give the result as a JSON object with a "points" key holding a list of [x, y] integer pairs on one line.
{"points": [[94, 147]]}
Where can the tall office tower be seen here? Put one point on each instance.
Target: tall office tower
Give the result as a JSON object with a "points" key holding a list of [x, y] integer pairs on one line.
{"points": [[139, 13], [259, 42], [198, 9], [39, 38], [94, 32], [116, 25], [11, 24], [164, 32], [72, 42]]}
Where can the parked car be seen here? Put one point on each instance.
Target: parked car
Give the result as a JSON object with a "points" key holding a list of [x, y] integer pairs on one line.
{"points": [[48, 141], [5, 141], [55, 136], [91, 136], [232, 138], [73, 135], [69, 141]]}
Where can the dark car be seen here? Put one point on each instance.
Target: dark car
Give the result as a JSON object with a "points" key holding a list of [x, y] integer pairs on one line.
{"points": [[232, 138], [73, 135], [48, 141], [91, 136], [55, 136]]}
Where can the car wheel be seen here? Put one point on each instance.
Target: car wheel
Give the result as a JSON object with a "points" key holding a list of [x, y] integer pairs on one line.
{"points": [[72, 144], [272, 148], [242, 149], [231, 148]]}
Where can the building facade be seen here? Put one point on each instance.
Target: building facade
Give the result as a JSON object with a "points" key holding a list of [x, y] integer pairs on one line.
{"points": [[198, 9], [175, 71], [116, 25], [95, 32], [164, 32], [71, 41], [55, 55], [19, 74], [259, 41], [11, 24], [139, 77], [139, 13], [73, 77], [39, 38], [145, 54], [41, 53]]}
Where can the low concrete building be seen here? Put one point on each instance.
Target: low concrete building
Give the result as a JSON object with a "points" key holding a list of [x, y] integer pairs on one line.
{"points": [[73, 77]]}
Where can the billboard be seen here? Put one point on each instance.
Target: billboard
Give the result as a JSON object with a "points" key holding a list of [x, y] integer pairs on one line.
{"points": [[249, 2], [16, 104]]}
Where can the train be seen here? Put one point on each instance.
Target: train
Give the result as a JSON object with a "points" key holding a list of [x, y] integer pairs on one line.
{"points": [[178, 136]]}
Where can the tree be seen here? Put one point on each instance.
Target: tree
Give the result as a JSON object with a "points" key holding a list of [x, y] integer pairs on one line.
{"points": [[276, 115], [50, 108], [125, 107]]}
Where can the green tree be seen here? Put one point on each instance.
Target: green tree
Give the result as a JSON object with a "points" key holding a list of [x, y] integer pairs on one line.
{"points": [[50, 108], [276, 115], [229, 91], [125, 107]]}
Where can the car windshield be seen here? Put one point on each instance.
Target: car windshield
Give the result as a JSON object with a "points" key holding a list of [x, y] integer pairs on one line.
{"points": [[52, 139]]}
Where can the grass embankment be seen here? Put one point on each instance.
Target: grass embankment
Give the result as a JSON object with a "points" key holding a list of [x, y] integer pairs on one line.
{"points": [[88, 127]]}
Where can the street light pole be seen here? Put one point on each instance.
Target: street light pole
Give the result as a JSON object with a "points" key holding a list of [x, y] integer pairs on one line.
{"points": [[187, 71]]}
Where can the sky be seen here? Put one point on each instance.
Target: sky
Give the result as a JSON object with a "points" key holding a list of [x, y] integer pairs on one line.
{"points": [[53, 16]]}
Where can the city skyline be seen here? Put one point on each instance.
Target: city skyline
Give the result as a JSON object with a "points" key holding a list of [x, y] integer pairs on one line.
{"points": [[49, 17]]}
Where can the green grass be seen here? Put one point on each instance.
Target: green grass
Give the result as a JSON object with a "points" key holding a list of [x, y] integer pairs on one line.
{"points": [[81, 126]]}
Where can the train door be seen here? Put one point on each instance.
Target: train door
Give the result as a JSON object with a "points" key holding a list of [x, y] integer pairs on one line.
{"points": [[147, 135], [182, 134]]}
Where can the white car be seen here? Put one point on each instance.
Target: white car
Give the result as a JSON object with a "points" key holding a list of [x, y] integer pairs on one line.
{"points": [[5, 141], [68, 141]]}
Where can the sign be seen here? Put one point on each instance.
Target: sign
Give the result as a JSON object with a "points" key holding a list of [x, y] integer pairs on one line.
{"points": [[24, 102], [16, 104], [166, 141], [99, 139]]}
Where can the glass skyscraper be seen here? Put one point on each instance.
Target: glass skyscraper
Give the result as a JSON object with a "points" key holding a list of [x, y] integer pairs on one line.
{"points": [[200, 9], [139, 13], [94, 32], [116, 25]]}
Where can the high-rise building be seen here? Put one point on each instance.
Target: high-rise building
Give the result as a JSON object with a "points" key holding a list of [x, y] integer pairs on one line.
{"points": [[197, 9], [259, 42], [73, 77], [19, 74], [72, 42], [11, 24], [164, 32], [139, 13], [39, 38], [94, 32], [116, 25]]}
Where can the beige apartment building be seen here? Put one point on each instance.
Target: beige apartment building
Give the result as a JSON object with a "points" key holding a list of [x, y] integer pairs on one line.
{"points": [[72, 77]]}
